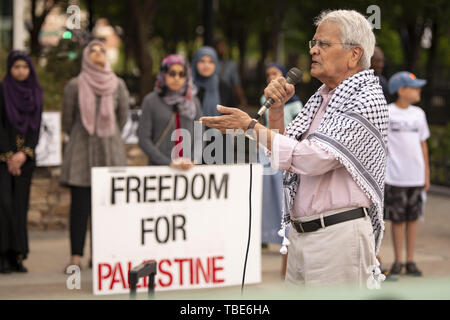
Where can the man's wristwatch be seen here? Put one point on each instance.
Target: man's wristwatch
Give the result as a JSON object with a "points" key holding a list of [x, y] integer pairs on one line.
{"points": [[252, 124]]}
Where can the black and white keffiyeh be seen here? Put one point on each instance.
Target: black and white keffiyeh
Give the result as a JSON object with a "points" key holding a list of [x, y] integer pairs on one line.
{"points": [[354, 130]]}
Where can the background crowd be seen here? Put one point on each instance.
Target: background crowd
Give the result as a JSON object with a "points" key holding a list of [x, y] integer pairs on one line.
{"points": [[176, 74]]}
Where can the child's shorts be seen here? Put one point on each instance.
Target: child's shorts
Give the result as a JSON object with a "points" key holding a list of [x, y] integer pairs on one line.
{"points": [[402, 203]]}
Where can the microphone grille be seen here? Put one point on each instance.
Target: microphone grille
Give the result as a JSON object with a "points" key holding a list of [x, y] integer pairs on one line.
{"points": [[294, 76]]}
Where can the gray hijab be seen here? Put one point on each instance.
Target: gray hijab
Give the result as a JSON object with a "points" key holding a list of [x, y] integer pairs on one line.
{"points": [[210, 85]]}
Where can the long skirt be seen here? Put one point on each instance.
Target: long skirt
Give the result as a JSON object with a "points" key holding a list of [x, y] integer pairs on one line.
{"points": [[14, 202]]}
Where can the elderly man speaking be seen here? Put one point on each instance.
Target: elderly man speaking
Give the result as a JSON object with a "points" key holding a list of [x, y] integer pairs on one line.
{"points": [[333, 154]]}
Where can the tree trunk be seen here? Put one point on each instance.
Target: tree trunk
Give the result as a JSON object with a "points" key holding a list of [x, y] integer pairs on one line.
{"points": [[208, 22], [36, 24], [411, 36], [264, 47], [242, 44], [279, 9], [431, 66], [90, 4], [143, 14], [34, 29]]}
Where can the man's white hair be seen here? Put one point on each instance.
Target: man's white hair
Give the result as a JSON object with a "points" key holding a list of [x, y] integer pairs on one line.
{"points": [[354, 28]]}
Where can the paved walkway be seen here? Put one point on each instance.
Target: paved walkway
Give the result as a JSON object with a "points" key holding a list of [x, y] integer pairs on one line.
{"points": [[49, 255]]}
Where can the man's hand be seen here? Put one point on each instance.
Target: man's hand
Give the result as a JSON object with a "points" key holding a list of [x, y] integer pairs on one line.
{"points": [[280, 91], [182, 163], [232, 118], [427, 185], [427, 165], [16, 162]]}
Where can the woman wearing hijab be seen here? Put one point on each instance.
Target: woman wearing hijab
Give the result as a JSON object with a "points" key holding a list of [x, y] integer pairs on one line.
{"points": [[172, 106], [20, 120], [212, 91], [95, 109], [272, 179]]}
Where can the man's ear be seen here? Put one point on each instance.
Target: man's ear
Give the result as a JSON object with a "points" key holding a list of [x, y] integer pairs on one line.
{"points": [[356, 54]]}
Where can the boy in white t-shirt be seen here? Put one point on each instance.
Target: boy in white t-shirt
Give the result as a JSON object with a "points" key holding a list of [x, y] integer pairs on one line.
{"points": [[407, 169]]}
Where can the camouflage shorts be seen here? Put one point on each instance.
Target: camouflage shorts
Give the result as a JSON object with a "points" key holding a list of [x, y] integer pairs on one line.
{"points": [[402, 203]]}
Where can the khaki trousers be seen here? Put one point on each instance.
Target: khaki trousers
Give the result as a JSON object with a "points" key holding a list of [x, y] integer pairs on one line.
{"points": [[343, 253]]}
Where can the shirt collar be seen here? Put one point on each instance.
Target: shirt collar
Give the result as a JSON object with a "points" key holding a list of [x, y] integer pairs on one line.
{"points": [[326, 93]]}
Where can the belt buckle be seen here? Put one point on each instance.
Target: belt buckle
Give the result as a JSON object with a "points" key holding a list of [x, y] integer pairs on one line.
{"points": [[300, 225]]}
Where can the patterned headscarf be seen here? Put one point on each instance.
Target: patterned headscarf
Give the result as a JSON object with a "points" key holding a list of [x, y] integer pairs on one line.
{"points": [[184, 97]]}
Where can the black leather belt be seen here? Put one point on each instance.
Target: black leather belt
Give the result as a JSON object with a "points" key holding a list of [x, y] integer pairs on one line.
{"points": [[314, 225]]}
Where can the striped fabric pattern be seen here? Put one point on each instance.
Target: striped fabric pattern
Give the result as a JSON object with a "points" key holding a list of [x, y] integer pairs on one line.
{"points": [[354, 130]]}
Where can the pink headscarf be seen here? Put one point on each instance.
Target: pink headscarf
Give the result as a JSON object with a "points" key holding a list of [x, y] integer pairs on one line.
{"points": [[95, 81]]}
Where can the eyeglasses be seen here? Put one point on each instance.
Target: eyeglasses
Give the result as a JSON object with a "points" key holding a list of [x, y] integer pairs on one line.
{"points": [[325, 45], [92, 50], [173, 74]]}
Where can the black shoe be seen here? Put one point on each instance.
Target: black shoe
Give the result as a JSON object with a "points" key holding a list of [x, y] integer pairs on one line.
{"points": [[5, 266], [20, 268], [17, 264], [396, 268], [412, 270]]}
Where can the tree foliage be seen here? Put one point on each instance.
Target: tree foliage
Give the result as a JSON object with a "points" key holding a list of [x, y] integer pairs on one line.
{"points": [[258, 32]]}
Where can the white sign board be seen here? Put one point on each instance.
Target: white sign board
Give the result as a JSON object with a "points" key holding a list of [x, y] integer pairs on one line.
{"points": [[48, 149], [193, 223]]}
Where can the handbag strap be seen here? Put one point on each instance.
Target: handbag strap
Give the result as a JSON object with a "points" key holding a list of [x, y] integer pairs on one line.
{"points": [[166, 130]]}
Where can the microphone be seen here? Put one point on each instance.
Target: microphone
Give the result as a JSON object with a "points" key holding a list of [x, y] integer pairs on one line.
{"points": [[292, 77]]}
